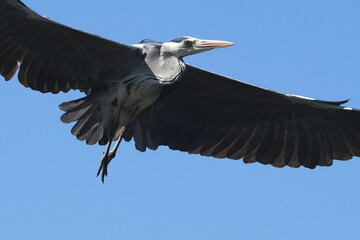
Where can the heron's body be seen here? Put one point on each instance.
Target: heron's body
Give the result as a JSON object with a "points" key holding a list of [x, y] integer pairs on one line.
{"points": [[147, 93], [118, 105]]}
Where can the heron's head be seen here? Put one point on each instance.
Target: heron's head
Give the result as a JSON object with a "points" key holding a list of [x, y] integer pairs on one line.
{"points": [[185, 46]]}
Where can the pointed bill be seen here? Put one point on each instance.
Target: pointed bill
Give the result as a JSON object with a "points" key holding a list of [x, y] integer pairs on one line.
{"points": [[211, 44]]}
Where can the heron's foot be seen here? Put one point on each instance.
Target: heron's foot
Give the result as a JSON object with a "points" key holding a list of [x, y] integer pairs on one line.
{"points": [[112, 154], [105, 160]]}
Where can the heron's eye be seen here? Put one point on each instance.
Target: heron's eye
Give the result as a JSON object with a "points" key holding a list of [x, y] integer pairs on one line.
{"points": [[188, 43]]}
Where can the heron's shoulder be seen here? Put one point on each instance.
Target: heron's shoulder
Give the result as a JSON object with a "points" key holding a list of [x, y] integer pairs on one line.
{"points": [[148, 48]]}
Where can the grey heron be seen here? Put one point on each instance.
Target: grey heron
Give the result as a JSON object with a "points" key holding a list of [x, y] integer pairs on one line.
{"points": [[147, 93]]}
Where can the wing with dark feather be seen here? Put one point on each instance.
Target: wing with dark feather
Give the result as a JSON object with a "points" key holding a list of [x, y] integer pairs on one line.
{"points": [[54, 57], [216, 116]]}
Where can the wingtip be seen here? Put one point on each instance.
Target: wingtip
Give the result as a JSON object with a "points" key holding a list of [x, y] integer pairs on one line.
{"points": [[334, 103]]}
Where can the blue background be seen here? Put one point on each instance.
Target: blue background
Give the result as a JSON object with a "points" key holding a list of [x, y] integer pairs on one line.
{"points": [[47, 181]]}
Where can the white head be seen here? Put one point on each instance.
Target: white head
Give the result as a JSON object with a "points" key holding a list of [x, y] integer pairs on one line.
{"points": [[185, 46]]}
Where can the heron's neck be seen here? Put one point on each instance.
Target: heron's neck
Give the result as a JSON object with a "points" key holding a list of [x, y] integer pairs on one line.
{"points": [[167, 69]]}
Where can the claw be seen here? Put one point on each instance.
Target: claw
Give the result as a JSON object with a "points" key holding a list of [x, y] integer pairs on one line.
{"points": [[104, 163], [108, 156], [103, 167], [105, 160]]}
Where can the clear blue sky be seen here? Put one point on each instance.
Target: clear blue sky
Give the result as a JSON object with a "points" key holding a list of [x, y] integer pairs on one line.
{"points": [[47, 181]]}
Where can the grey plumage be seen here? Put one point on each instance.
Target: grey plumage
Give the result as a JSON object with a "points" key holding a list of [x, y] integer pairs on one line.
{"points": [[147, 93]]}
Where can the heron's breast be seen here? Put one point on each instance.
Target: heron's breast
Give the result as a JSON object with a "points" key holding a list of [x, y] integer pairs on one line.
{"points": [[143, 92]]}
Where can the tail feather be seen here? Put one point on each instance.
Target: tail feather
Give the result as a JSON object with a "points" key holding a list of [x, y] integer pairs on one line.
{"points": [[87, 128], [96, 132], [67, 106], [80, 122], [86, 112], [74, 110]]}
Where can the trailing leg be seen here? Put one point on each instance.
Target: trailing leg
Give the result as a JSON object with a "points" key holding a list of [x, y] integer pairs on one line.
{"points": [[109, 155]]}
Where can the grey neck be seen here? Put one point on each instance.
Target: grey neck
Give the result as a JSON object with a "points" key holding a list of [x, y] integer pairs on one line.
{"points": [[166, 68]]}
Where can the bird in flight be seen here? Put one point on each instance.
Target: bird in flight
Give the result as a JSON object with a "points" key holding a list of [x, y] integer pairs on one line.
{"points": [[146, 92]]}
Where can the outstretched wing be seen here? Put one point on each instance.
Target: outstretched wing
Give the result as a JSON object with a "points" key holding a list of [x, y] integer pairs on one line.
{"points": [[54, 57], [216, 116]]}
